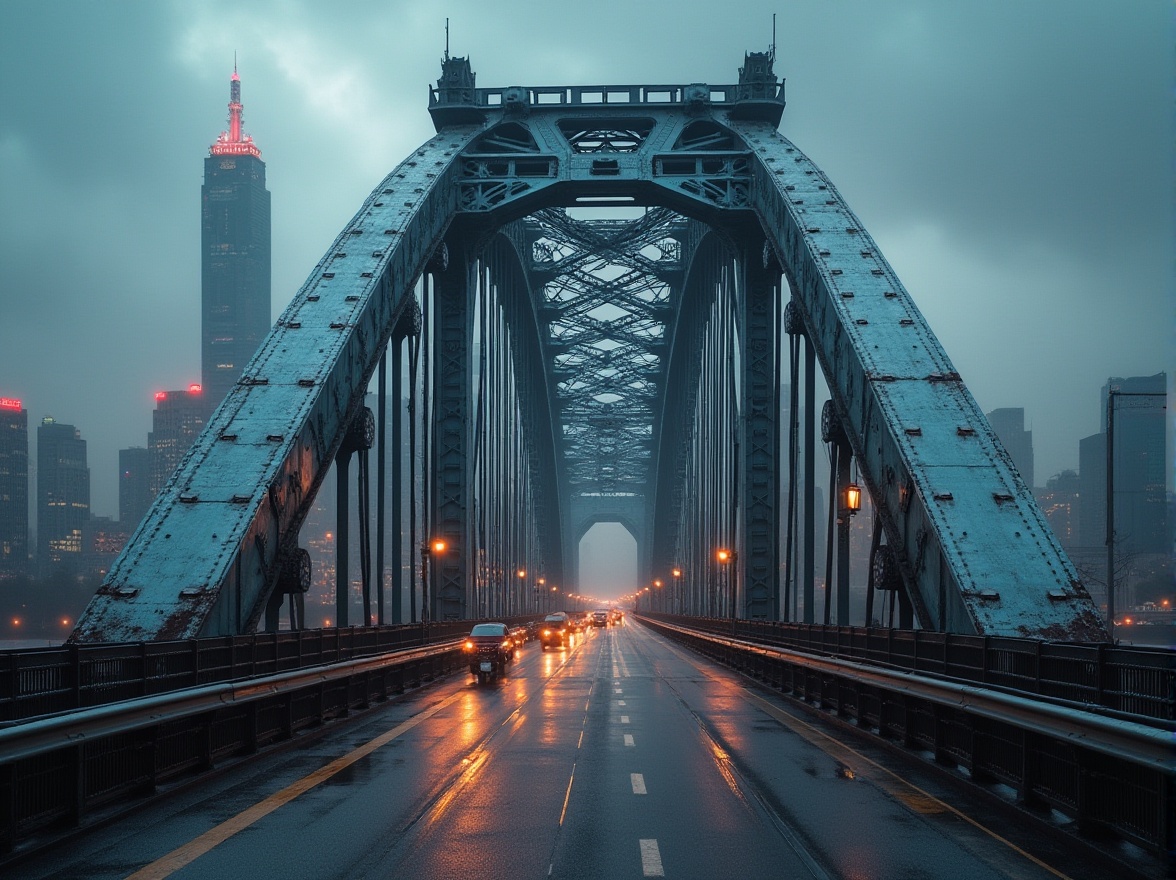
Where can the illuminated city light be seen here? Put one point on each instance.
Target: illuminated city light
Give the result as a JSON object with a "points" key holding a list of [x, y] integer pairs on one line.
{"points": [[232, 142]]}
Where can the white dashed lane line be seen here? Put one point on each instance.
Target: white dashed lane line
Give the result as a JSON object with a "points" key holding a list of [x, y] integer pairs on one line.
{"points": [[651, 863], [629, 739], [638, 783], [624, 719]]}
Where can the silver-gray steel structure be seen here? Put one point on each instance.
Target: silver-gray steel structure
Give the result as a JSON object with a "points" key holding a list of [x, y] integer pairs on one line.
{"points": [[568, 369]]}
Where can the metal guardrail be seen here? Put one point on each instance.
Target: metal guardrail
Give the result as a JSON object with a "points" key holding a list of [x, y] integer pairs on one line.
{"points": [[56, 770], [1109, 775], [1129, 680], [42, 681]]}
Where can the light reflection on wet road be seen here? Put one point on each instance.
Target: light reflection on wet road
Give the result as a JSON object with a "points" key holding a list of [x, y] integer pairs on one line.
{"points": [[619, 757]]}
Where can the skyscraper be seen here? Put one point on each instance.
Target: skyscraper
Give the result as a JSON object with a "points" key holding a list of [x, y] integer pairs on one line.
{"points": [[134, 486], [63, 495], [235, 255], [178, 418], [1141, 468], [1009, 424], [14, 487]]}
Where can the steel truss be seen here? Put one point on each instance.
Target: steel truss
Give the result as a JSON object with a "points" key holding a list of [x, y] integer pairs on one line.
{"points": [[576, 370]]}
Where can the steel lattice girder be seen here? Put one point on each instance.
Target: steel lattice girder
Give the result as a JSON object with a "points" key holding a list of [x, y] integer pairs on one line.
{"points": [[606, 443]]}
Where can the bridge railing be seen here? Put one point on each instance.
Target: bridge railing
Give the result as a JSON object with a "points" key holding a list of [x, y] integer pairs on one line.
{"points": [[45, 681], [1130, 680]]}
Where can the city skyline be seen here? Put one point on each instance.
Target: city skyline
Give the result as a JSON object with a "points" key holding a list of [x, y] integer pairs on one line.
{"points": [[1024, 204]]}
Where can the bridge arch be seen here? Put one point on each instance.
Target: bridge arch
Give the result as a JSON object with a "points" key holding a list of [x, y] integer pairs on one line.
{"points": [[949, 501]]}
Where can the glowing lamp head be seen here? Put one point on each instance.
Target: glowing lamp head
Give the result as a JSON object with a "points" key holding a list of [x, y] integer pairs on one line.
{"points": [[723, 555], [522, 572], [853, 498], [438, 546], [677, 572]]}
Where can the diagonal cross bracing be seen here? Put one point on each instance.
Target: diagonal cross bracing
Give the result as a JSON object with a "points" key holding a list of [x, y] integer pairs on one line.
{"points": [[606, 301]]}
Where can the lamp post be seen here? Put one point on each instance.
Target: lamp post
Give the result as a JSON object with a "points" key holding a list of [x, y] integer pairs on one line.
{"points": [[659, 598], [522, 591], [727, 560], [429, 549], [676, 607]]}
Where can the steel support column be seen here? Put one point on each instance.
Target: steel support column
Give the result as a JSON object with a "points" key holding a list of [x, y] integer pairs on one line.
{"points": [[760, 558], [450, 473]]}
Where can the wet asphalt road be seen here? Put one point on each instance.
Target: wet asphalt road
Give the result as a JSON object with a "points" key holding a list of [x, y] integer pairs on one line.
{"points": [[620, 757]]}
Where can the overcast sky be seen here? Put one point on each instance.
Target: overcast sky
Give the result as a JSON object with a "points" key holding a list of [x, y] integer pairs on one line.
{"points": [[1013, 161]]}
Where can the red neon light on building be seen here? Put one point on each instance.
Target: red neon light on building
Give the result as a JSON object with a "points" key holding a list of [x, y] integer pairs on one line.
{"points": [[232, 142], [9, 403], [194, 388], [161, 395]]}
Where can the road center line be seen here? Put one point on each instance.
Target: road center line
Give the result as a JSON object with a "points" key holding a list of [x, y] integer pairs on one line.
{"points": [[629, 739], [651, 863], [638, 783]]}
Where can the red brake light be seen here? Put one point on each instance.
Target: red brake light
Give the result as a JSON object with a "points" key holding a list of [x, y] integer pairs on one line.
{"points": [[469, 645]]}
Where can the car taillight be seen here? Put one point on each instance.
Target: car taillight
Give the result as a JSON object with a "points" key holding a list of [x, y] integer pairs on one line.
{"points": [[469, 646], [546, 632]]}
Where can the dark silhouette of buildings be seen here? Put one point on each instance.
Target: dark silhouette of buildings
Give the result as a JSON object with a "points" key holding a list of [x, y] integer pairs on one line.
{"points": [[1009, 424], [14, 487], [235, 255], [134, 486], [63, 496], [178, 418], [1059, 501]]}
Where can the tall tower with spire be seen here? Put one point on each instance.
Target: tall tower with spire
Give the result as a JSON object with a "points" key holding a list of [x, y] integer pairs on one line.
{"points": [[235, 255]]}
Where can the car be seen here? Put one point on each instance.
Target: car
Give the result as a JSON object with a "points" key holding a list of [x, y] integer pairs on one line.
{"points": [[616, 616], [576, 623], [555, 631], [490, 649], [600, 617]]}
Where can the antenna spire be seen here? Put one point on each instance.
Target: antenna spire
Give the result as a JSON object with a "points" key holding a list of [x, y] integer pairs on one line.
{"points": [[772, 53], [233, 142], [447, 38]]}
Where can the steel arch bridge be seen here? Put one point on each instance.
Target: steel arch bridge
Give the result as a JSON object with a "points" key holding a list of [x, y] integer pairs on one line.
{"points": [[590, 288]]}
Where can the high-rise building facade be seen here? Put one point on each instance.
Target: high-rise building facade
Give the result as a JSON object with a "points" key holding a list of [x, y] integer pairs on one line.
{"points": [[63, 496], [134, 486], [235, 255], [14, 487], [177, 420], [1009, 424], [1140, 462]]}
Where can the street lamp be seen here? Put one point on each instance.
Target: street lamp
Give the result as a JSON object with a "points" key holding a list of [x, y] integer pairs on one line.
{"points": [[677, 606], [429, 550], [853, 498], [727, 560]]}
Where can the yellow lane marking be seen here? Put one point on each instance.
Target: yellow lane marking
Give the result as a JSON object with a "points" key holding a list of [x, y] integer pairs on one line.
{"points": [[209, 840], [908, 793]]}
